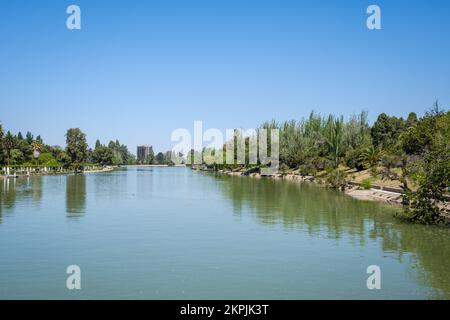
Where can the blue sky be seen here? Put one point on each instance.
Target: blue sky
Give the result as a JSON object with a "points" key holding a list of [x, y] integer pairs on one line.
{"points": [[138, 70]]}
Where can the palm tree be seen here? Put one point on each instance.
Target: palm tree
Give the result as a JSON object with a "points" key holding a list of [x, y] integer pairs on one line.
{"points": [[37, 148], [1, 143], [8, 145], [36, 145], [371, 156]]}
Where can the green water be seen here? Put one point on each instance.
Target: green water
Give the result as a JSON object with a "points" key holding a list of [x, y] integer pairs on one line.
{"points": [[171, 233]]}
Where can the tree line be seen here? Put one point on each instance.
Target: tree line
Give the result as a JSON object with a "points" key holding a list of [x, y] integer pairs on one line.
{"points": [[413, 151], [161, 158], [17, 150]]}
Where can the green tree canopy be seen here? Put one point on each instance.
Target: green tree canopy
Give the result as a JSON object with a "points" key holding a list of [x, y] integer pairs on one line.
{"points": [[76, 147], [386, 130], [103, 155]]}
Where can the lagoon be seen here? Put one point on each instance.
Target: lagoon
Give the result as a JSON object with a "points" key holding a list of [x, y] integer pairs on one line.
{"points": [[173, 233]]}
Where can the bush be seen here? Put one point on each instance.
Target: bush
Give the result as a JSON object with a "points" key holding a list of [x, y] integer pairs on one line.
{"points": [[366, 184], [337, 179], [52, 163], [45, 157], [283, 169], [353, 160], [308, 169], [426, 204]]}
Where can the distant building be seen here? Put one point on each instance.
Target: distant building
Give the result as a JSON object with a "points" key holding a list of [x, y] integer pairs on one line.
{"points": [[144, 154]]}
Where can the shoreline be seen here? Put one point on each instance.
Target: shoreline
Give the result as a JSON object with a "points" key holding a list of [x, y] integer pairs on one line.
{"points": [[154, 165], [146, 165], [105, 169], [386, 195], [389, 197]]}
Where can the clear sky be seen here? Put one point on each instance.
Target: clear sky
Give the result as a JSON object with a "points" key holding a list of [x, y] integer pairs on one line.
{"points": [[137, 70]]}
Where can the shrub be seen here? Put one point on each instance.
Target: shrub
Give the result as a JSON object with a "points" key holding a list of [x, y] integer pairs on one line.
{"points": [[366, 184], [284, 169], [337, 179], [426, 204], [308, 169], [45, 157], [353, 160]]}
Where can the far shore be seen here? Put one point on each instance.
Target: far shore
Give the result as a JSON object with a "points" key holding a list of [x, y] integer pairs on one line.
{"points": [[49, 173], [99, 170]]}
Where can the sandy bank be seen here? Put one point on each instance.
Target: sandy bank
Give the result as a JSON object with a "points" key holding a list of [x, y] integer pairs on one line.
{"points": [[375, 195]]}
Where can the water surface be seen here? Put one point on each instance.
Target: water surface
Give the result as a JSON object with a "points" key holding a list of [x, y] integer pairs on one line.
{"points": [[171, 233]]}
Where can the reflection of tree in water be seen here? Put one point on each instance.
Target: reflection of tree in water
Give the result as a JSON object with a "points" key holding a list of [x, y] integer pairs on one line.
{"points": [[303, 206], [7, 195], [432, 248], [110, 186], [75, 195], [319, 211], [36, 188], [12, 190]]}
